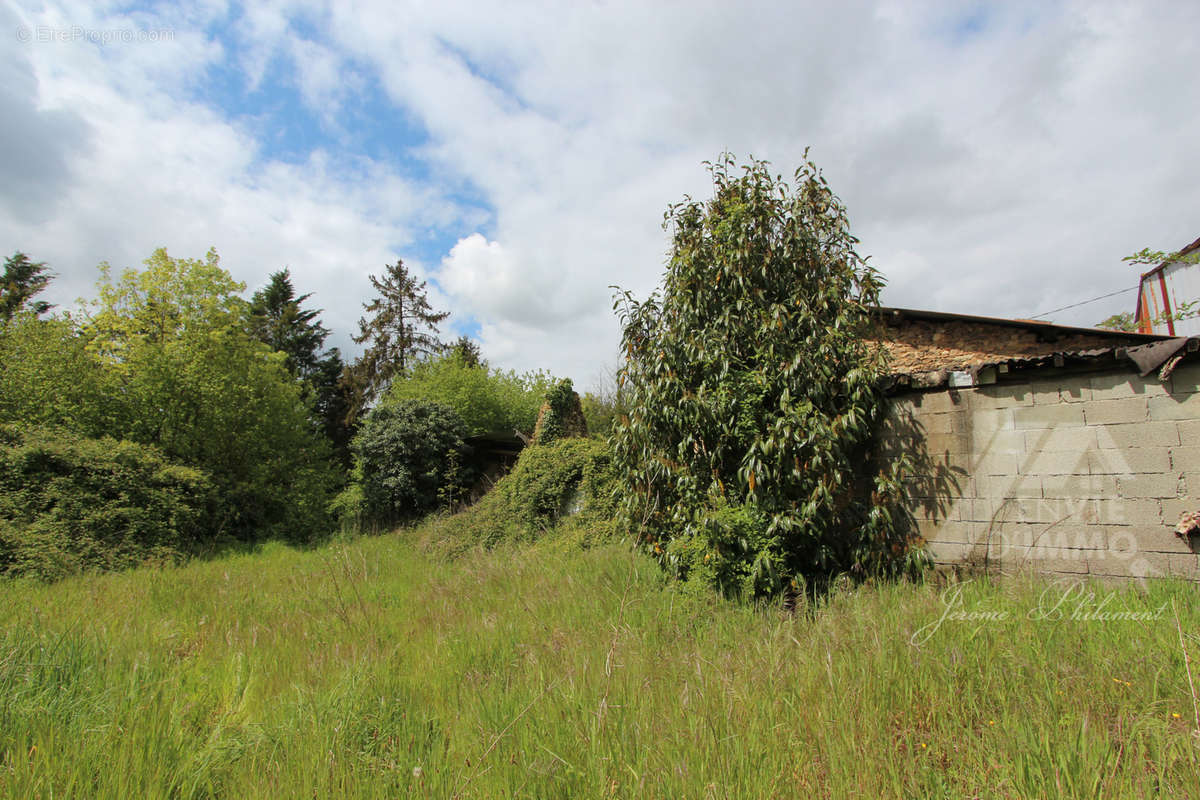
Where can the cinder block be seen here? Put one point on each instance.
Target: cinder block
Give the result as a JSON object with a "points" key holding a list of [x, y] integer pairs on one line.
{"points": [[1045, 559], [1055, 463], [949, 552], [1060, 440], [1147, 538], [1175, 407], [996, 442], [1189, 431], [941, 402], [1160, 485], [1027, 510], [1115, 412], [1075, 389], [1174, 507], [932, 424], [1128, 564], [950, 531], [1185, 458], [1073, 536], [1005, 486], [1045, 394], [995, 464], [970, 509], [1079, 486], [997, 397], [1052, 416], [1123, 511], [1125, 384], [1138, 434], [1184, 566], [978, 422], [1186, 378], [955, 443], [1131, 460]]}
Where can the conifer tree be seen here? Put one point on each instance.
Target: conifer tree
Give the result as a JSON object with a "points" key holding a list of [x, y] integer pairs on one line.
{"points": [[401, 328], [22, 280]]}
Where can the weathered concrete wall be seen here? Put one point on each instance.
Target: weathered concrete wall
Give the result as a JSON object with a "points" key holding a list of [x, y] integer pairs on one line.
{"points": [[1069, 474]]}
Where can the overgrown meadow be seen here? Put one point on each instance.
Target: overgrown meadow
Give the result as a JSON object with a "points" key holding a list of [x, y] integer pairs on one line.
{"points": [[715, 594], [369, 668]]}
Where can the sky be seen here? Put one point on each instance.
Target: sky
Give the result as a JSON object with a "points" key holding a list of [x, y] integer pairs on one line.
{"points": [[995, 158]]}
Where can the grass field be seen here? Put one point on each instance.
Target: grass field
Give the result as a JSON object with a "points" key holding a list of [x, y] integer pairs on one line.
{"points": [[369, 669]]}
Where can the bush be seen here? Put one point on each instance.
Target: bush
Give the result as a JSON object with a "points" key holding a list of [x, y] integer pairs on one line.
{"points": [[753, 394], [487, 400], [568, 487], [405, 455], [70, 504]]}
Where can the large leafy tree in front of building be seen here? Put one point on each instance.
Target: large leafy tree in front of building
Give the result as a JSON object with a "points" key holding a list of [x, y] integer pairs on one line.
{"points": [[400, 328], [753, 393]]}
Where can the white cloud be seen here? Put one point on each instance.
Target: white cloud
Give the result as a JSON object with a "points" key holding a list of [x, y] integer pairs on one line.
{"points": [[995, 159]]}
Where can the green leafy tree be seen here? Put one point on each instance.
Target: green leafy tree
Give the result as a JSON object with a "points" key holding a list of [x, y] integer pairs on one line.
{"points": [[405, 454], [753, 393], [401, 328], [23, 279], [51, 379], [1119, 322], [487, 400], [191, 381]]}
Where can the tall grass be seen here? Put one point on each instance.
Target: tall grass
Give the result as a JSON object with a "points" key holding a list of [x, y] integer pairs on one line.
{"points": [[368, 669]]}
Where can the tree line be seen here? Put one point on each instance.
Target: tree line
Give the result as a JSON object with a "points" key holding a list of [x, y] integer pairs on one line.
{"points": [[169, 415]]}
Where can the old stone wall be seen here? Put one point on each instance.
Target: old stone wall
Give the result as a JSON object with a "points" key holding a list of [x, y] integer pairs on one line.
{"points": [[1068, 474]]}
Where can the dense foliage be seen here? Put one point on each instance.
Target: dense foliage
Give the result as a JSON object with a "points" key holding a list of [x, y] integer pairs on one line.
{"points": [[70, 504], [568, 485], [163, 360], [753, 393], [488, 400], [561, 416], [406, 453], [192, 381]]}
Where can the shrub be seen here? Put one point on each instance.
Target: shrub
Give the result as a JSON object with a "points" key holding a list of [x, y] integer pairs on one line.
{"points": [[403, 453], [487, 400], [70, 504], [753, 394], [568, 487]]}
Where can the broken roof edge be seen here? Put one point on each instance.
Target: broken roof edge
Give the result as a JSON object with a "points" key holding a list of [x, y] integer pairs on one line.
{"points": [[892, 312], [1145, 358]]}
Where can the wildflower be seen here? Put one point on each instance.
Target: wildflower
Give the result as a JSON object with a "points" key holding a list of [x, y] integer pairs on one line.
{"points": [[924, 746], [1175, 715], [991, 722], [417, 772]]}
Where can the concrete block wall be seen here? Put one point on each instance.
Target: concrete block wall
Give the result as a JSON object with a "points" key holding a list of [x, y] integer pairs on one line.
{"points": [[1081, 474]]}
